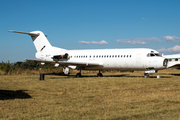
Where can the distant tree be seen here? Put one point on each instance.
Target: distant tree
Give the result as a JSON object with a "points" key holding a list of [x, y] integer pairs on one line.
{"points": [[6, 67]]}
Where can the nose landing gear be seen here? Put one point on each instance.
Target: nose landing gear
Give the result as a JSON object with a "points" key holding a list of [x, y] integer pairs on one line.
{"points": [[146, 75]]}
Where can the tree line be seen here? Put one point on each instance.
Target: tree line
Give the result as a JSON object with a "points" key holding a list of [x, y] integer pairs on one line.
{"points": [[9, 68]]}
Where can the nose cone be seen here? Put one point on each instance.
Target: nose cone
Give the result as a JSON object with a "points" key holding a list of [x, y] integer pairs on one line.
{"points": [[159, 63]]}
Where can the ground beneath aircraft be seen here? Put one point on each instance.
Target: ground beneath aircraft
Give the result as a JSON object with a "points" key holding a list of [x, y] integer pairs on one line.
{"points": [[115, 96]]}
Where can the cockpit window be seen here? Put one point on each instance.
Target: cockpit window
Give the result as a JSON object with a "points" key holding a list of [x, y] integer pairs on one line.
{"points": [[157, 54], [153, 54]]}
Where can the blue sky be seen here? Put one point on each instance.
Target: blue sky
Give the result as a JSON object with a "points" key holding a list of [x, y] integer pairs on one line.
{"points": [[89, 24]]}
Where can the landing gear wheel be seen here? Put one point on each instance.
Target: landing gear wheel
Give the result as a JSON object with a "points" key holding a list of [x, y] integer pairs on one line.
{"points": [[146, 75], [78, 75]]}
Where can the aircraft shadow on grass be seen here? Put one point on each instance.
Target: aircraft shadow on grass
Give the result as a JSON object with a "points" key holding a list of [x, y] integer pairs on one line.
{"points": [[10, 94], [84, 75], [122, 75], [176, 74]]}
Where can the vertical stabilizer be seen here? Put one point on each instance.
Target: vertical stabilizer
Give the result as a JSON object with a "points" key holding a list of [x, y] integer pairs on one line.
{"points": [[40, 41]]}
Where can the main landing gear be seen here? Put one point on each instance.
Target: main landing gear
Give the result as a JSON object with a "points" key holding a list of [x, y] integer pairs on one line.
{"points": [[78, 74]]}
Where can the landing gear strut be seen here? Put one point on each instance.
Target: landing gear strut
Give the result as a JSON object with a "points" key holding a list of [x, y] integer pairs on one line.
{"points": [[146, 75], [78, 74], [99, 74]]}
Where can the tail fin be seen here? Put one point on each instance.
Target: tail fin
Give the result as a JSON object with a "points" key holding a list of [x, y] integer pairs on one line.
{"points": [[40, 41]]}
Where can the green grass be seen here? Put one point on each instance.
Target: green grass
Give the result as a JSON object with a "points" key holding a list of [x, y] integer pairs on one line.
{"points": [[116, 96]]}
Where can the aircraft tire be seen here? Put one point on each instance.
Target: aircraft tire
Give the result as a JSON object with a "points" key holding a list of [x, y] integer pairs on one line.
{"points": [[146, 75], [78, 75]]}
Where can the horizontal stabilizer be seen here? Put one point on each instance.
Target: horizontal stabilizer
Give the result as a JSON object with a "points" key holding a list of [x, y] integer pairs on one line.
{"points": [[31, 34]]}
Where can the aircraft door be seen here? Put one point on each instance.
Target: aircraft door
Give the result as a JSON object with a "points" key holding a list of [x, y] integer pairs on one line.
{"points": [[138, 60]]}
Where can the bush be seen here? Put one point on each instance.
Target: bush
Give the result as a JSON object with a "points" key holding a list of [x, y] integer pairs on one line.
{"points": [[27, 68]]}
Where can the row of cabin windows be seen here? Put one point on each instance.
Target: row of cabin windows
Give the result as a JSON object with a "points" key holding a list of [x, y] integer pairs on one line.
{"points": [[104, 56], [173, 59]]}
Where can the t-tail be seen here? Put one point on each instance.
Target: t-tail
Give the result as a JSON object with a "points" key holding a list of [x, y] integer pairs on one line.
{"points": [[40, 41]]}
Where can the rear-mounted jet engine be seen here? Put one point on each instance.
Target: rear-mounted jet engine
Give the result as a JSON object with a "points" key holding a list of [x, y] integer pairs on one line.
{"points": [[61, 57]]}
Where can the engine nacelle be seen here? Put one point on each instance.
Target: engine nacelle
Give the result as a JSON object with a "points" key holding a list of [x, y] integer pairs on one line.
{"points": [[59, 57], [66, 70]]}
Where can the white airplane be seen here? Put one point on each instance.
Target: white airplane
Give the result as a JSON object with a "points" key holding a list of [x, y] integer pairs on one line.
{"points": [[173, 61], [139, 59]]}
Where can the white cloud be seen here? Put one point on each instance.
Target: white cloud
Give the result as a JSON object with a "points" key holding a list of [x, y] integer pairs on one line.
{"points": [[139, 40], [172, 38], [93, 42], [173, 49]]}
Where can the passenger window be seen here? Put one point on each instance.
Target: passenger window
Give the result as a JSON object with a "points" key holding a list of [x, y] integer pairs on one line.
{"points": [[124, 55], [121, 56], [110, 56], [97, 56], [176, 59], [127, 56], [130, 56], [170, 59], [94, 56], [105, 56], [90, 56]]}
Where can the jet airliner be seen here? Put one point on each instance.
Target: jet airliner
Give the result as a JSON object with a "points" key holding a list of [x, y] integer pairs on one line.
{"points": [[173, 61], [137, 59]]}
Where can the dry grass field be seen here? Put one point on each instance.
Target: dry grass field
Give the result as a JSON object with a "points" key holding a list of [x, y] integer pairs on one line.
{"points": [[116, 96]]}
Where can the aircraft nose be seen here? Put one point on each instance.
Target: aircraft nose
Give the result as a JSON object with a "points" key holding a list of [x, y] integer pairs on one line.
{"points": [[165, 62]]}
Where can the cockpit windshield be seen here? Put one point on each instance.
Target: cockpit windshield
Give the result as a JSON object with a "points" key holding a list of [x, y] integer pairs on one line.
{"points": [[153, 54]]}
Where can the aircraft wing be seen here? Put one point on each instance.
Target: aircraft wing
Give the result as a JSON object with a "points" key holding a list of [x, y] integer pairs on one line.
{"points": [[174, 64], [67, 63]]}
